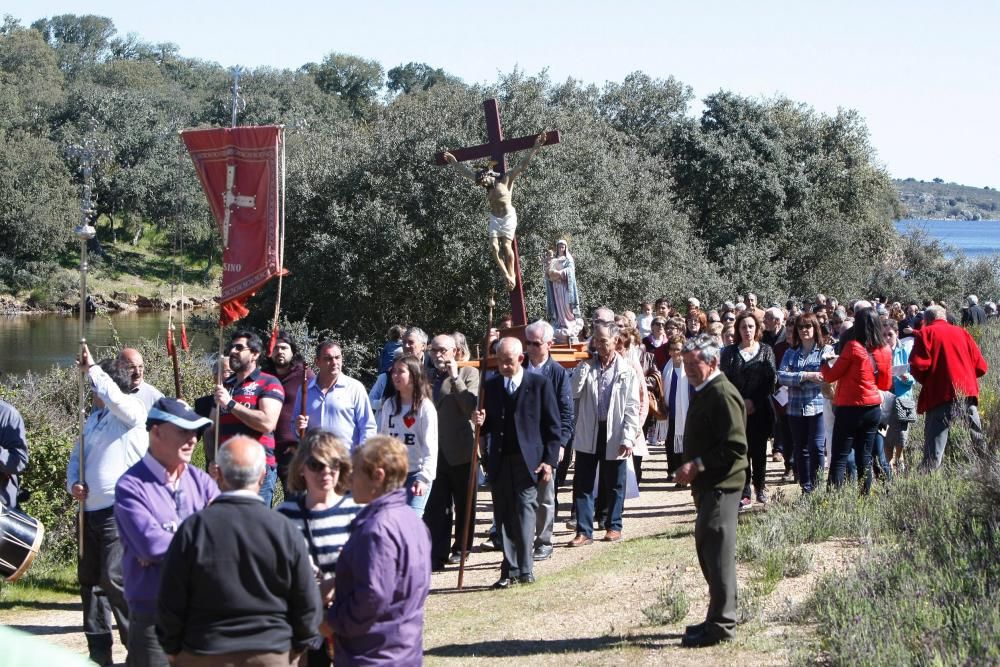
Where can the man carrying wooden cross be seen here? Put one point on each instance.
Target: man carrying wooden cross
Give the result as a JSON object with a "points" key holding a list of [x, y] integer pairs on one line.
{"points": [[503, 217]]}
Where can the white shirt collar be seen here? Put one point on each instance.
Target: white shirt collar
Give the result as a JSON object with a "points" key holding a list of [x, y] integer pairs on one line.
{"points": [[711, 377], [158, 470], [243, 493], [516, 380]]}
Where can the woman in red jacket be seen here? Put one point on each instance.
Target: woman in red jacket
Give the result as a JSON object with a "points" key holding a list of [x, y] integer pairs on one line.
{"points": [[863, 368]]}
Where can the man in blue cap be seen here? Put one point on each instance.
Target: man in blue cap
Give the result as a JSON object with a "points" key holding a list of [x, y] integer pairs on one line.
{"points": [[152, 498]]}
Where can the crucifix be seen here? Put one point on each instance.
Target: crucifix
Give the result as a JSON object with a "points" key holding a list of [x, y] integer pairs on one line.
{"points": [[503, 218], [230, 199]]}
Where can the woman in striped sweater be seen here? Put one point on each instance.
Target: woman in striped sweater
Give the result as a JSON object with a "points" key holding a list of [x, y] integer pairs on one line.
{"points": [[323, 509]]}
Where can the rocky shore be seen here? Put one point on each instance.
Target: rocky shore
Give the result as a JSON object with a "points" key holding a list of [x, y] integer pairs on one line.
{"points": [[101, 303]]}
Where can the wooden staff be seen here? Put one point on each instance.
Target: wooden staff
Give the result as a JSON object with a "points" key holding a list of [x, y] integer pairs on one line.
{"points": [[218, 381], [302, 396], [172, 350], [470, 511]]}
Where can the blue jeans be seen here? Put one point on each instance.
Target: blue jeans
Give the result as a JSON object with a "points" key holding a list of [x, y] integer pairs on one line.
{"points": [[612, 481], [267, 488], [807, 437], [879, 455], [416, 502], [854, 430]]}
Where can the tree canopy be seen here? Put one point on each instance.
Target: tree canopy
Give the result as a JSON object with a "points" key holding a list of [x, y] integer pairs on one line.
{"points": [[755, 193]]}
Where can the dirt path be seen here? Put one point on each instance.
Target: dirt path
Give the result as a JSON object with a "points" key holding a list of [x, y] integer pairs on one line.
{"points": [[569, 615]]}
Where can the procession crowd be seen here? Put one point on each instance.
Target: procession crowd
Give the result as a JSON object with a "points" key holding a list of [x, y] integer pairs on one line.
{"points": [[198, 569]]}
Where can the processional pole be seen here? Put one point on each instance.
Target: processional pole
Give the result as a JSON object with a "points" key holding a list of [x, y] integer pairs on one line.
{"points": [[470, 511], [88, 154], [238, 104]]}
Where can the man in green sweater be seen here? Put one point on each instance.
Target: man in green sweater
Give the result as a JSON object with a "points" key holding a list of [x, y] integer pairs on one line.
{"points": [[715, 460]]}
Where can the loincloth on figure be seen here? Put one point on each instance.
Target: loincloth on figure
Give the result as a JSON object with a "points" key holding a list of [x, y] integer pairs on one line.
{"points": [[503, 227]]}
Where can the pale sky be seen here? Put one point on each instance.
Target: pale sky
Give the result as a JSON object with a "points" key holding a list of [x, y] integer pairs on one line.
{"points": [[923, 74]]}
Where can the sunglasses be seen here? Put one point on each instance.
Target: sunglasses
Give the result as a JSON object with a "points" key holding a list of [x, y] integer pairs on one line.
{"points": [[316, 465], [238, 347]]}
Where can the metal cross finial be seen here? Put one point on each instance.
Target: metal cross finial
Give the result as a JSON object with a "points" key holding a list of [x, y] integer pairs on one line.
{"points": [[239, 104], [89, 154]]}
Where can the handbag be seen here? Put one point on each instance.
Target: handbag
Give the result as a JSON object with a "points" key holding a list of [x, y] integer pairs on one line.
{"points": [[654, 393], [906, 409]]}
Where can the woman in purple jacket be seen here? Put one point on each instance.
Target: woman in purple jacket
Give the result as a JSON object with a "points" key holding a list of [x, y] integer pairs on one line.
{"points": [[384, 571]]}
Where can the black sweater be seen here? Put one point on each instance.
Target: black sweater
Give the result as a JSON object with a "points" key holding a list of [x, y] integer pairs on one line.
{"points": [[237, 577], [755, 378]]}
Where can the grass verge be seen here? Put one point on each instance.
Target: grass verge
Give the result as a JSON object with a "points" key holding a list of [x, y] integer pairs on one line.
{"points": [[924, 585], [47, 581]]}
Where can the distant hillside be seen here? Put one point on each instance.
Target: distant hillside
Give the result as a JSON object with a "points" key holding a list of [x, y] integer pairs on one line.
{"points": [[948, 201]]}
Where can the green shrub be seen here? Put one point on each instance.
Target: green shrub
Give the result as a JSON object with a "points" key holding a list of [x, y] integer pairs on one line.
{"points": [[671, 606]]}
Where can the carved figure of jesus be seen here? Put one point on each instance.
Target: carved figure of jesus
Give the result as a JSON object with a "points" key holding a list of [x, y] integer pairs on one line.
{"points": [[503, 216]]}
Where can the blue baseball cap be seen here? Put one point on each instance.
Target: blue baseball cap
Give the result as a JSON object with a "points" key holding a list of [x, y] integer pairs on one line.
{"points": [[176, 412]]}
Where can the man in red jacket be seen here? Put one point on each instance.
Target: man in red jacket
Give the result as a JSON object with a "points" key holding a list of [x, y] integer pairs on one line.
{"points": [[948, 363]]}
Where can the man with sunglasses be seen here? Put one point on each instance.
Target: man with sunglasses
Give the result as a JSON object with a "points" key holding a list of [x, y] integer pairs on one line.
{"points": [[250, 403], [538, 341], [152, 498]]}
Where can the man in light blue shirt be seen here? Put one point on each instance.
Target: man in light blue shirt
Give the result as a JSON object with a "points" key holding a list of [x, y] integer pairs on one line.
{"points": [[114, 438], [335, 402]]}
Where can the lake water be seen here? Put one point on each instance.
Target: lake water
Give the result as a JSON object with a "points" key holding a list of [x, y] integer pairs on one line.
{"points": [[973, 237], [38, 342]]}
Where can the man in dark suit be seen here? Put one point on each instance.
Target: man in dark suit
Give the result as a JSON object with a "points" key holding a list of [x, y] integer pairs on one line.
{"points": [[538, 340], [715, 453], [456, 392], [521, 417]]}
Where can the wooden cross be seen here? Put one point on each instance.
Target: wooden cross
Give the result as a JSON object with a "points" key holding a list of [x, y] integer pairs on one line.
{"points": [[497, 149], [230, 199]]}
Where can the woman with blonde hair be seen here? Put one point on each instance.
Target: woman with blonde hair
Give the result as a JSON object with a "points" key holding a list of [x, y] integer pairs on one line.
{"points": [[319, 474]]}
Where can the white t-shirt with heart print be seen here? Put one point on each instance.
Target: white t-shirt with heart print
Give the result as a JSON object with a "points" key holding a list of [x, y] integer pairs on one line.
{"points": [[417, 431]]}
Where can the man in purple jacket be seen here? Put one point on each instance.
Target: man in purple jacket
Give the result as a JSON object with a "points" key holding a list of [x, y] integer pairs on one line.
{"points": [[152, 498]]}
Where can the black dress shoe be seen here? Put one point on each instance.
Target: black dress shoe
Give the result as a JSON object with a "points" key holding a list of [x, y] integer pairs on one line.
{"points": [[542, 552], [695, 629], [701, 640], [437, 566], [504, 583], [455, 558], [526, 579]]}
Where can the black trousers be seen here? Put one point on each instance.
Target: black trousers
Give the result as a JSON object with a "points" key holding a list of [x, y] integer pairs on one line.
{"points": [[715, 540], [674, 459], [758, 431], [515, 499], [446, 508], [101, 565]]}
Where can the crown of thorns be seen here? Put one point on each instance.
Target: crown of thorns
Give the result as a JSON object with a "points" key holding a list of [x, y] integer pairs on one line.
{"points": [[486, 169]]}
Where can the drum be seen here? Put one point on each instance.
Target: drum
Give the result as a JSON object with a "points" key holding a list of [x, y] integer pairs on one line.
{"points": [[20, 539]]}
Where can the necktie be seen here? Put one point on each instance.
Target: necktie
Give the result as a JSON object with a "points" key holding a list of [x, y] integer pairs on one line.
{"points": [[511, 387]]}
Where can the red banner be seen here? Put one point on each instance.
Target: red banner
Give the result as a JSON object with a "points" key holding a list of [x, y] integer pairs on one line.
{"points": [[239, 169]]}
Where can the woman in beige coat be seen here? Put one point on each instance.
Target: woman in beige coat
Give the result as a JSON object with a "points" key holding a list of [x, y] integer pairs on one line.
{"points": [[606, 391]]}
